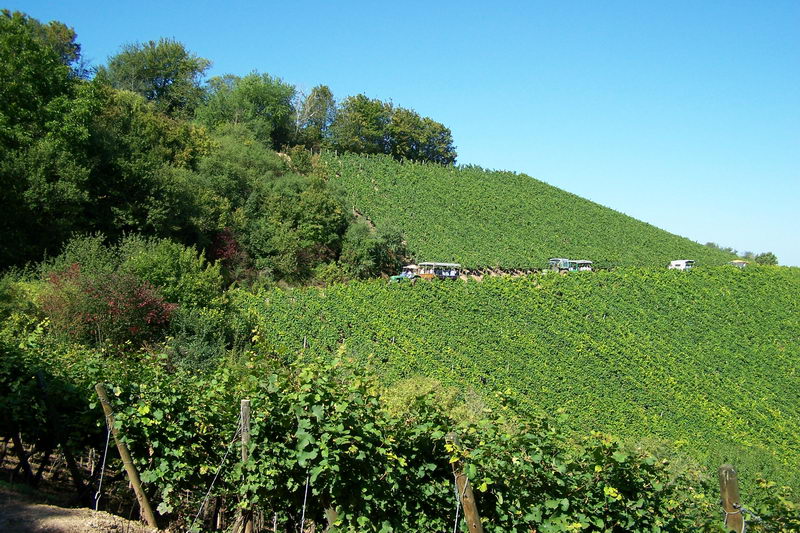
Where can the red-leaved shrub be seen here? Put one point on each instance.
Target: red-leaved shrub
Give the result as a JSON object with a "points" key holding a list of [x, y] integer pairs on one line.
{"points": [[110, 307]]}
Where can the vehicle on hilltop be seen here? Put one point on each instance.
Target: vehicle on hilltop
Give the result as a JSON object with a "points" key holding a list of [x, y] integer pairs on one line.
{"points": [[562, 264], [428, 270], [681, 264]]}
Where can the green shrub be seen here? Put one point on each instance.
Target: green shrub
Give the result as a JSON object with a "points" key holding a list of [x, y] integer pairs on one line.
{"points": [[367, 253], [181, 273]]}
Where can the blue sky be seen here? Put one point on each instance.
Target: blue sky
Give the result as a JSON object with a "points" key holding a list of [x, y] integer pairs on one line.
{"points": [[682, 114]]}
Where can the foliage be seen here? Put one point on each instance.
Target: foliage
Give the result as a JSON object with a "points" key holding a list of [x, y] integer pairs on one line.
{"points": [[419, 139], [367, 253], [259, 102], [360, 126], [132, 187], [492, 219], [378, 457], [32, 74], [313, 117], [90, 252], [16, 295], [776, 509], [324, 423], [766, 258], [700, 358], [33, 79], [105, 161], [181, 274], [293, 225], [127, 292], [114, 308], [163, 72], [39, 400], [370, 126]]}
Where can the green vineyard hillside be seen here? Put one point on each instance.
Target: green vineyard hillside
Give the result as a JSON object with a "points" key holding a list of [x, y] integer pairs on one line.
{"points": [[707, 360], [483, 218]]}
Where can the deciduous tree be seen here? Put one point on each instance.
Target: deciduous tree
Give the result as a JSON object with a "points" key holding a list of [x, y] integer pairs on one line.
{"points": [[164, 72], [259, 102], [766, 258], [361, 126], [315, 114]]}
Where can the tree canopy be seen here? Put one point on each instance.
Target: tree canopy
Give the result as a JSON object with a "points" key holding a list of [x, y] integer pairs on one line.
{"points": [[314, 116], [162, 71], [370, 126], [149, 146], [259, 102]]}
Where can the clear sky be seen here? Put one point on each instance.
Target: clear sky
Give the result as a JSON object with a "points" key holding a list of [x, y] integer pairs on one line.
{"points": [[682, 114]]}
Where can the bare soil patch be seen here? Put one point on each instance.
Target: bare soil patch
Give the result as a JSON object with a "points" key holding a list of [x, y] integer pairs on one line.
{"points": [[19, 513]]}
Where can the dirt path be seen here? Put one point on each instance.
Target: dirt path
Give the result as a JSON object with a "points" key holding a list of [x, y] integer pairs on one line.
{"points": [[17, 514]]}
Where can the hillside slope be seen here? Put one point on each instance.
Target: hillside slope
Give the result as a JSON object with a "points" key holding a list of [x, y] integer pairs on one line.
{"points": [[488, 218], [706, 359]]}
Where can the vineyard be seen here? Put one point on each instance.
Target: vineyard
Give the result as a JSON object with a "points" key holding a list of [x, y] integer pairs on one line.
{"points": [[191, 316], [706, 359], [594, 401], [483, 218]]}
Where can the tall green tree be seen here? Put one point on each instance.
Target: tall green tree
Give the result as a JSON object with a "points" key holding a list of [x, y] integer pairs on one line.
{"points": [[259, 102], [361, 126], [133, 183], [292, 225], [437, 143], [62, 39], [38, 176], [164, 72], [420, 139], [370, 126], [32, 74], [766, 258], [314, 116]]}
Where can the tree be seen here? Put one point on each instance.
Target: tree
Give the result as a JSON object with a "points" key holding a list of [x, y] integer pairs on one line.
{"points": [[315, 114], [164, 72], [419, 139], [367, 126], [61, 38], [259, 102], [361, 126], [38, 175], [293, 224], [437, 145], [766, 258], [32, 74], [133, 185]]}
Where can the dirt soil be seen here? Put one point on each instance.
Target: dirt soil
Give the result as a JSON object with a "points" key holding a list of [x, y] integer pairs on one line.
{"points": [[18, 513]]}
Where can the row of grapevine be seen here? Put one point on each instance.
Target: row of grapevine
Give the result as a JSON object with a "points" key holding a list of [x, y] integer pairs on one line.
{"points": [[326, 435], [706, 359], [489, 218]]}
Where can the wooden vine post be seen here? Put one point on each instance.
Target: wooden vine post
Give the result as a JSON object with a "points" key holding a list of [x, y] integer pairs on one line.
{"points": [[465, 493], [729, 492], [133, 475], [247, 515]]}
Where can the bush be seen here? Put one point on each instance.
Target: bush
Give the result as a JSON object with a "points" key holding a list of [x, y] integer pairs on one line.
{"points": [[367, 253], [198, 337], [115, 307], [182, 275], [91, 252]]}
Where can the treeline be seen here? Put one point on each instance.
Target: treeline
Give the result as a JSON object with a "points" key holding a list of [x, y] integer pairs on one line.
{"points": [[145, 144], [765, 258]]}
